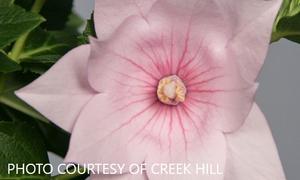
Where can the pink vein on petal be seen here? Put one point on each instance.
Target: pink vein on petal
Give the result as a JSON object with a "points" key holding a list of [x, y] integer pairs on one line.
{"points": [[136, 65], [186, 46], [182, 129]]}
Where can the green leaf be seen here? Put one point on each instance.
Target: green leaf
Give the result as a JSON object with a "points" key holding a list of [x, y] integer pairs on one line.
{"points": [[89, 31], [3, 114], [20, 142], [56, 139], [75, 22], [6, 2], [26, 4], [11, 100], [287, 23], [10, 83], [7, 65], [43, 47], [57, 13], [15, 21]]}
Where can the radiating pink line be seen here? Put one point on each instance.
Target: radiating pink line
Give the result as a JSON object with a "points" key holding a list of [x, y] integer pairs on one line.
{"points": [[151, 58], [204, 81], [190, 79], [185, 109], [167, 66], [136, 65], [157, 112], [182, 129], [134, 78], [186, 46]]}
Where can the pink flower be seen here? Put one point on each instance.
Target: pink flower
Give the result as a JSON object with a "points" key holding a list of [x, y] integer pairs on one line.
{"points": [[167, 81]]}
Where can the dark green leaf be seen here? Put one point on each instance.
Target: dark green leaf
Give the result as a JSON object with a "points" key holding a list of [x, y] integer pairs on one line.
{"points": [[15, 21], [57, 13], [44, 47], [3, 114], [7, 65], [10, 83], [6, 2], [75, 22], [26, 4], [89, 31], [20, 142], [10, 99], [287, 23], [37, 68], [56, 139]]}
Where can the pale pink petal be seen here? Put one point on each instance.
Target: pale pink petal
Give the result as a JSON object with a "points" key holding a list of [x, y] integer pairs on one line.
{"points": [[231, 54], [252, 153], [253, 21], [246, 26], [62, 91], [204, 159], [189, 41], [105, 130], [109, 14], [126, 176], [119, 128]]}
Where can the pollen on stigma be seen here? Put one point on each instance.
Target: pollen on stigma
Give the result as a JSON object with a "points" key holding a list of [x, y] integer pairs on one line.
{"points": [[171, 90]]}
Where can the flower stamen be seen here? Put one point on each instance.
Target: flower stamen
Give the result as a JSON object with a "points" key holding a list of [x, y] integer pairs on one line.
{"points": [[171, 90]]}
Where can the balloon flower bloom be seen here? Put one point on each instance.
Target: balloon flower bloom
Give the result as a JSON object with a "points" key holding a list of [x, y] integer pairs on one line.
{"points": [[166, 81]]}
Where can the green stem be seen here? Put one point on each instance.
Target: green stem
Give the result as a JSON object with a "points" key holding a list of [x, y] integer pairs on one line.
{"points": [[19, 45], [37, 6]]}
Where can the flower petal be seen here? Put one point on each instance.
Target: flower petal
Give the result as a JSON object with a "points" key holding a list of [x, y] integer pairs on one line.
{"points": [[120, 65], [251, 37], [252, 153], [109, 14], [118, 129], [232, 52], [238, 21], [204, 158], [104, 132], [62, 91]]}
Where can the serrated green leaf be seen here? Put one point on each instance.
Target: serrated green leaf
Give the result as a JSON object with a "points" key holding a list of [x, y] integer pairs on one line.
{"points": [[20, 142], [287, 23], [7, 65], [43, 47], [15, 21]]}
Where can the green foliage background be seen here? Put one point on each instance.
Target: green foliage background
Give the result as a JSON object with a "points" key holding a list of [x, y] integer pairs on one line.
{"points": [[34, 34]]}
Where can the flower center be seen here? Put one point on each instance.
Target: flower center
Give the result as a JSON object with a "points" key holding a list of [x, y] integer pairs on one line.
{"points": [[171, 90]]}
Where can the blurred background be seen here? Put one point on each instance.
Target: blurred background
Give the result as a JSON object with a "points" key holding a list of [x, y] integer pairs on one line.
{"points": [[278, 96]]}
